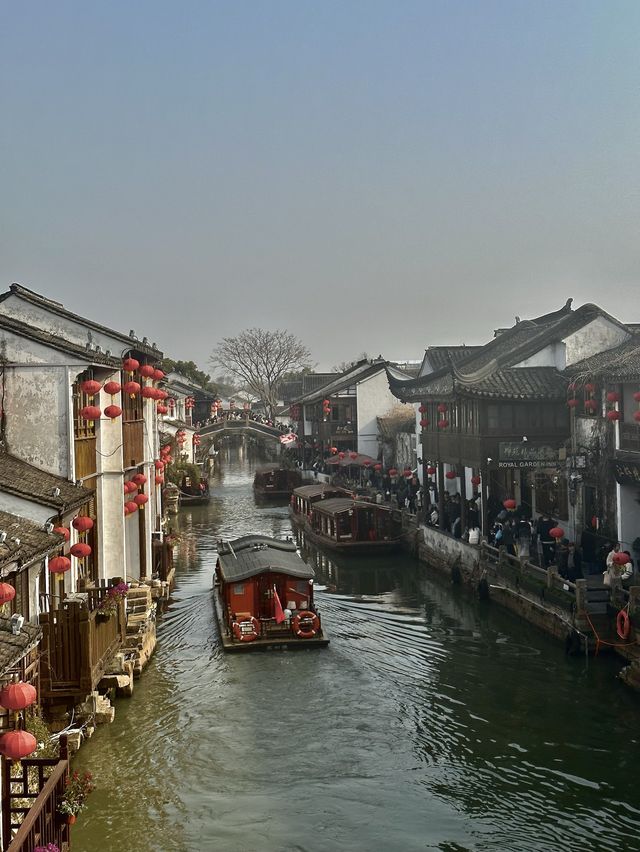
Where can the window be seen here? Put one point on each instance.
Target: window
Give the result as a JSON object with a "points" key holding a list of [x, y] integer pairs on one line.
{"points": [[238, 589], [82, 428]]}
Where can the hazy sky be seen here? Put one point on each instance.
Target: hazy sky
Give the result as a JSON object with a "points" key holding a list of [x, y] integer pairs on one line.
{"points": [[376, 176]]}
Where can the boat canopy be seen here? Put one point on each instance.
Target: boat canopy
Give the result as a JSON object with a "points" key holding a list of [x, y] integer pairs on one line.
{"points": [[257, 554], [337, 505], [308, 492]]}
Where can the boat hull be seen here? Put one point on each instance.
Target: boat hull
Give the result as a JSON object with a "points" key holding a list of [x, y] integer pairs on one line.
{"points": [[284, 642]]}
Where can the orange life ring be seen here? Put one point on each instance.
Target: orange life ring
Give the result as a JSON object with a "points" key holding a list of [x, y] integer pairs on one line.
{"points": [[241, 631], [311, 624], [622, 624]]}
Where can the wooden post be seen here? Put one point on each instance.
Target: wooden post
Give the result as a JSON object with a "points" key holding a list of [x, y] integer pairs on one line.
{"points": [[581, 596], [463, 498], [483, 502], [441, 523], [552, 573]]}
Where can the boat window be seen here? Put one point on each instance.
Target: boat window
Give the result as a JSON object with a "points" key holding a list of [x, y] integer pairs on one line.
{"points": [[238, 589]]}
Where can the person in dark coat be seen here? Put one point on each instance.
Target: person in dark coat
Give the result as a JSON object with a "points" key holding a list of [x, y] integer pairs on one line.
{"points": [[543, 527]]}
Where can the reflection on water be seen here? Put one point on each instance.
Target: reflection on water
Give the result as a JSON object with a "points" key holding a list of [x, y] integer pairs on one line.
{"points": [[431, 722]]}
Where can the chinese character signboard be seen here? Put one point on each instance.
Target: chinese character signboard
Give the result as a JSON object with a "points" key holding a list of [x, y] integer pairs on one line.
{"points": [[526, 455]]}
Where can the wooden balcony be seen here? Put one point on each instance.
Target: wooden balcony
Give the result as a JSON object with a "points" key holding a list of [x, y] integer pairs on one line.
{"points": [[32, 790], [78, 643]]}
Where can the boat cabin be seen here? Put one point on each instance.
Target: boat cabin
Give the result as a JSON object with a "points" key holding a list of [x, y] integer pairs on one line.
{"points": [[348, 524], [304, 497], [264, 593], [276, 482]]}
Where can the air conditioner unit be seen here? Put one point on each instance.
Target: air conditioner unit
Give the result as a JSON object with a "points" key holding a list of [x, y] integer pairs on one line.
{"points": [[48, 527], [16, 623]]}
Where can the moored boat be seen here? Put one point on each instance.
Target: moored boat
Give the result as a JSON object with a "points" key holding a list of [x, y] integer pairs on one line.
{"points": [[263, 596], [352, 526], [275, 483], [304, 497]]}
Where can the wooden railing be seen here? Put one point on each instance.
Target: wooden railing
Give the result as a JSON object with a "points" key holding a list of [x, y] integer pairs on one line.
{"points": [[32, 791], [77, 645]]}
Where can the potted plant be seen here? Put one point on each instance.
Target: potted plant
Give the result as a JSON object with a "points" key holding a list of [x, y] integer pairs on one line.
{"points": [[108, 606], [76, 791], [50, 847]]}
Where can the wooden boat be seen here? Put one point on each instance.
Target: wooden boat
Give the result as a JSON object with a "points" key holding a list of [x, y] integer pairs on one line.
{"points": [[263, 595], [194, 495], [353, 526], [275, 483], [304, 497]]}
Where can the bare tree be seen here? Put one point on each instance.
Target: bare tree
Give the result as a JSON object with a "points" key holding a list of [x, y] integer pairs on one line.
{"points": [[260, 359]]}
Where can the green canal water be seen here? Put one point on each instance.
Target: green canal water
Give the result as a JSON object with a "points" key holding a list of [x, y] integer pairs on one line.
{"points": [[432, 722]]}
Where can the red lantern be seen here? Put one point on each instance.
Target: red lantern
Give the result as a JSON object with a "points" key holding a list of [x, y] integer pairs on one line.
{"points": [[613, 415], [407, 472], [146, 371], [442, 407], [82, 523], [112, 388], [140, 499], [451, 474], [148, 392], [161, 394], [341, 455], [475, 480], [431, 471], [377, 467], [573, 402], [613, 396], [130, 488], [162, 409], [126, 511], [62, 531], [18, 696], [333, 450], [130, 365], [158, 375], [7, 593], [636, 396], [90, 413], [158, 464], [353, 455], [90, 387], [59, 564], [556, 532], [620, 558], [393, 471], [132, 388], [113, 411], [636, 416], [366, 463], [424, 423], [422, 409], [591, 404], [17, 744], [442, 424], [589, 387], [509, 504], [80, 550], [159, 480], [139, 479], [131, 507]]}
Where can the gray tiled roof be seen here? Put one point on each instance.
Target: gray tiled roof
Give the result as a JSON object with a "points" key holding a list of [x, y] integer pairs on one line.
{"points": [[444, 356], [90, 356], [34, 540], [13, 648], [18, 477], [304, 384], [252, 555], [622, 362], [58, 308], [362, 370]]}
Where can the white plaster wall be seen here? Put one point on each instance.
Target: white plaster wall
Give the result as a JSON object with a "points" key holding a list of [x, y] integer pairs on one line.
{"points": [[110, 488], [551, 356], [597, 336], [373, 400], [25, 508], [37, 403], [132, 546]]}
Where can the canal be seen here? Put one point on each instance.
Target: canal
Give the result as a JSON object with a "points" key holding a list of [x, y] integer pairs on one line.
{"points": [[432, 722]]}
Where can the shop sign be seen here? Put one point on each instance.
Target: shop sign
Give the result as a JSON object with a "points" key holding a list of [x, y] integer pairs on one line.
{"points": [[526, 455], [626, 473]]}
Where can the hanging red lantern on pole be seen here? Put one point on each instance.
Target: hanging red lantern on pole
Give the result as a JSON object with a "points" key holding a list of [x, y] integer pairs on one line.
{"points": [[130, 365], [63, 531], [340, 455], [7, 593], [158, 464], [82, 523], [158, 375], [591, 405], [442, 408], [353, 455], [159, 480], [140, 500], [613, 396], [59, 564], [17, 696], [613, 415], [90, 387], [17, 744], [377, 467], [146, 371], [90, 413], [424, 423], [509, 504], [80, 550], [451, 474], [139, 478], [112, 388], [556, 532], [475, 480], [132, 388], [131, 507], [573, 402], [113, 411], [162, 409], [442, 424], [431, 471], [422, 409], [148, 392]]}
